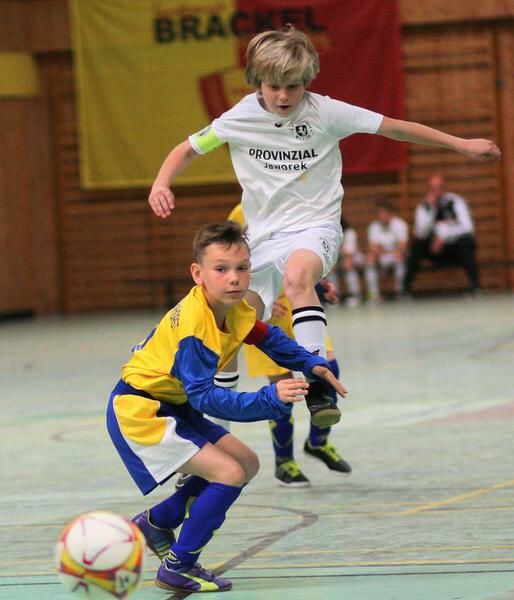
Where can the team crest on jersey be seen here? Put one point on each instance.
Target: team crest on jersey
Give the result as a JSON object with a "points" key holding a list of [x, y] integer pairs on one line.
{"points": [[175, 316], [302, 130]]}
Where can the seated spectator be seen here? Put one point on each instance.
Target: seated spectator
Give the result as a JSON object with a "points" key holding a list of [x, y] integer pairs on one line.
{"points": [[387, 240], [443, 233], [351, 261]]}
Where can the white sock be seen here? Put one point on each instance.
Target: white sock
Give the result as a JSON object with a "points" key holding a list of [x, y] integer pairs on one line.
{"points": [[372, 281], [399, 274], [353, 283], [310, 329], [228, 381]]}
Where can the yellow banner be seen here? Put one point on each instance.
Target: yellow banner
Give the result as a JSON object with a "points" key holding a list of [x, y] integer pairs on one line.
{"points": [[145, 71]]}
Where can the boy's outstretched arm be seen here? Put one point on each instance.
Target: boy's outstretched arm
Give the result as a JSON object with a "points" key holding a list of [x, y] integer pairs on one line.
{"points": [[287, 353], [407, 131], [161, 198]]}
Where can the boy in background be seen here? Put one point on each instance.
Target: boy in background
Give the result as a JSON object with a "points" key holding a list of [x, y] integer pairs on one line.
{"points": [[287, 470], [387, 245]]}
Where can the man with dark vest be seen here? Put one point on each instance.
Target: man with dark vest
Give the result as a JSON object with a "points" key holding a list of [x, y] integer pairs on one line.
{"points": [[443, 233]]}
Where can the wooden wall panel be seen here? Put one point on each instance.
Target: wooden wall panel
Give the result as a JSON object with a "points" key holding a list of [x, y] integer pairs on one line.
{"points": [[101, 250], [451, 85], [444, 11], [505, 75], [16, 267]]}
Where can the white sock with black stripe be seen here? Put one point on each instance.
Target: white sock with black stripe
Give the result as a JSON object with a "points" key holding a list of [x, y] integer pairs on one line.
{"points": [[228, 381], [310, 329]]}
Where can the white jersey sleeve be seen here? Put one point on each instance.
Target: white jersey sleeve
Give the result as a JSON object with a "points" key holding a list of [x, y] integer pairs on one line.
{"points": [[205, 140], [343, 119]]}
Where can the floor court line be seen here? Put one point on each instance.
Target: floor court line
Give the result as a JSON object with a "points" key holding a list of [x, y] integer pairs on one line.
{"points": [[454, 499]]}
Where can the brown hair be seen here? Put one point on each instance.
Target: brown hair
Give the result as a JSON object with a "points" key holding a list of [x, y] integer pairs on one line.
{"points": [[226, 233], [281, 57]]}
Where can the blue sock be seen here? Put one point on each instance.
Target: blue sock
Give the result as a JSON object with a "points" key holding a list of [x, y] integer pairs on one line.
{"points": [[170, 512], [206, 515], [318, 436], [282, 438]]}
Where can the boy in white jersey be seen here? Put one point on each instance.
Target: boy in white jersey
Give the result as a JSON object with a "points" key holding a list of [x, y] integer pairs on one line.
{"points": [[284, 145], [351, 263], [387, 246]]}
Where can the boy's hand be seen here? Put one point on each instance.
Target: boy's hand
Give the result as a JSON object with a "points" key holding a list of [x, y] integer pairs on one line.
{"points": [[279, 310], [482, 150], [329, 291], [330, 378], [292, 390], [436, 246], [162, 201]]}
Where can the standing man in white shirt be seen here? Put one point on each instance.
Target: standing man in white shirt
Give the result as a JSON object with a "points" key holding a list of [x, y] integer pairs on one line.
{"points": [[444, 233], [387, 245]]}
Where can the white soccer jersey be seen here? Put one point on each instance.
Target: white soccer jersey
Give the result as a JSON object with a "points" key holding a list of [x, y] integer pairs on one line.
{"points": [[289, 168], [388, 237]]}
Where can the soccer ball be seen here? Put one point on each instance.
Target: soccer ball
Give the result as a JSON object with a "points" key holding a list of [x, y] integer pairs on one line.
{"points": [[100, 555]]}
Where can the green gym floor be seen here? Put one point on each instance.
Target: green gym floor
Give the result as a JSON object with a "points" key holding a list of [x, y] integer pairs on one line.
{"points": [[428, 426]]}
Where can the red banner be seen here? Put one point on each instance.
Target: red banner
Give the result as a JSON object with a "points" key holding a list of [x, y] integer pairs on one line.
{"points": [[360, 55]]}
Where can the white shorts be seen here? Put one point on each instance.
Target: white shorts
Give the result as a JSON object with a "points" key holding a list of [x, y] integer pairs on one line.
{"points": [[387, 260], [269, 258]]}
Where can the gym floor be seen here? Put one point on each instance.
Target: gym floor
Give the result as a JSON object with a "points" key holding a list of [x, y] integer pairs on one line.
{"points": [[428, 426]]}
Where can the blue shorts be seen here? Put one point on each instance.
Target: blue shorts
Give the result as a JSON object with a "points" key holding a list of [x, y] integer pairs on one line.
{"points": [[155, 438]]}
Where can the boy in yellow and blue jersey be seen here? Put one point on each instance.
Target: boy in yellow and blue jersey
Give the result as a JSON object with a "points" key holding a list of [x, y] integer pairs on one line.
{"points": [[155, 419], [287, 470]]}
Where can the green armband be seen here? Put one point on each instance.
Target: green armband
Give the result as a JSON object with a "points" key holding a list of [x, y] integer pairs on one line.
{"points": [[206, 140]]}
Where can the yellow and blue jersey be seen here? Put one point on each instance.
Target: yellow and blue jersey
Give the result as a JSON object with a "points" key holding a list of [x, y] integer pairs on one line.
{"points": [[178, 360]]}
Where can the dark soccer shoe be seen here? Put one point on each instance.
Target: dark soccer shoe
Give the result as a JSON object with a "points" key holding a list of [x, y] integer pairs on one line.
{"points": [[324, 412], [329, 455], [193, 578], [289, 474], [158, 540], [182, 480]]}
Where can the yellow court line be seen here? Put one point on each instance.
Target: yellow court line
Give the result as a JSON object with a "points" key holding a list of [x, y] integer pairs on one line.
{"points": [[454, 499], [378, 563], [319, 552]]}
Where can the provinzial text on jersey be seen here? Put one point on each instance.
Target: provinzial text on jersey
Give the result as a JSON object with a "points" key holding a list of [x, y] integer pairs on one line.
{"points": [[282, 154]]}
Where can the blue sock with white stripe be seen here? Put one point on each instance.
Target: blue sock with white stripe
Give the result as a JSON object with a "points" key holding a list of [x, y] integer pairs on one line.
{"points": [[170, 513], [206, 515], [282, 433]]}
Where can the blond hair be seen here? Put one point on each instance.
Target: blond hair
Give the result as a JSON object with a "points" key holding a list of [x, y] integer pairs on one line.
{"points": [[281, 57]]}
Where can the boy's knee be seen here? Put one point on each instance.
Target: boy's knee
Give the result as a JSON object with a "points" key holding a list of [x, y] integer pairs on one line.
{"points": [[251, 466], [232, 473], [297, 282]]}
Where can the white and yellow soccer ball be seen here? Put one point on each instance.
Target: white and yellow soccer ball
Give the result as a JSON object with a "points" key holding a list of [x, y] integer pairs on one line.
{"points": [[100, 555]]}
